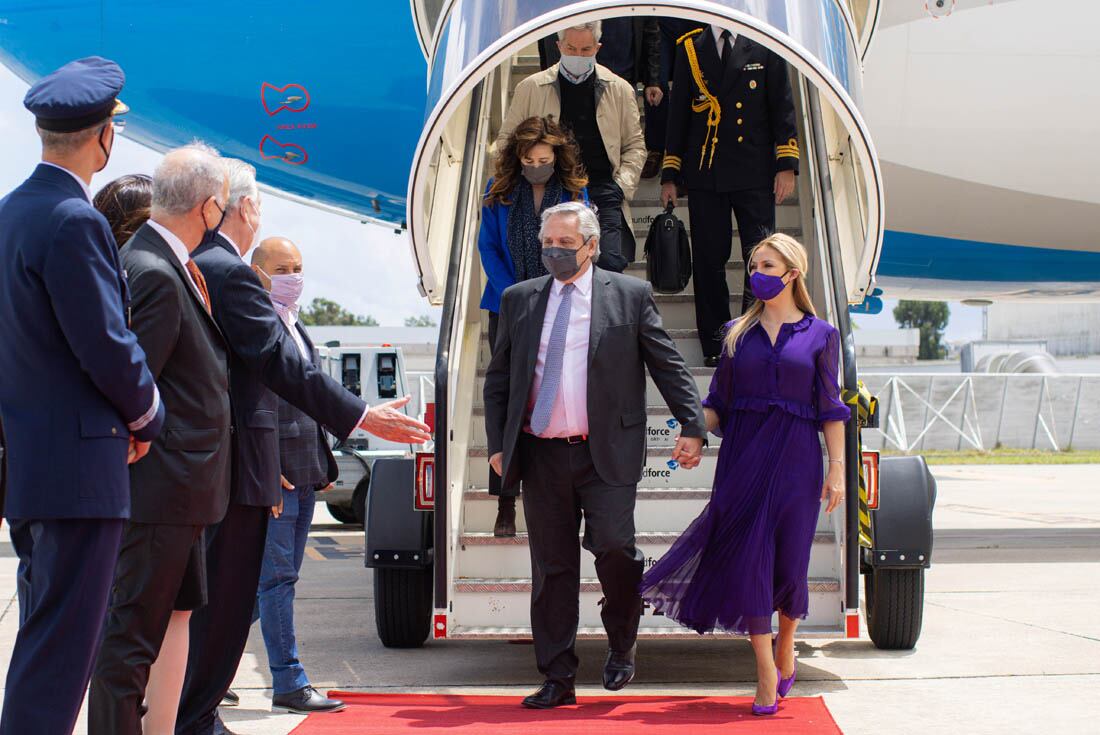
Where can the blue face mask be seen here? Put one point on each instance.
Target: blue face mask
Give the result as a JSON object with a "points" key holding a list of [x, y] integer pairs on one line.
{"points": [[765, 287], [579, 67]]}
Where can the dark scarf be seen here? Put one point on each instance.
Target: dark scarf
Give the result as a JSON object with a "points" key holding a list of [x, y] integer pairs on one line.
{"points": [[523, 227]]}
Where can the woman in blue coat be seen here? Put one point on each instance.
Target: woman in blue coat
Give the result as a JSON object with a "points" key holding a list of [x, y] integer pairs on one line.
{"points": [[538, 167]]}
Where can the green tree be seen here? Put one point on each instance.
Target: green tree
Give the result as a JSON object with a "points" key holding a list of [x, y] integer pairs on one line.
{"points": [[325, 313], [931, 318], [424, 320]]}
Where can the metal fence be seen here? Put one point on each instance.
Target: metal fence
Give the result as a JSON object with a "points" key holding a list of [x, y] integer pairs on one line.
{"points": [[927, 411]]}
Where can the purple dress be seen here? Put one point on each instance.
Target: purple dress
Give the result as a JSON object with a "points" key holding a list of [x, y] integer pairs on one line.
{"points": [[747, 554]]}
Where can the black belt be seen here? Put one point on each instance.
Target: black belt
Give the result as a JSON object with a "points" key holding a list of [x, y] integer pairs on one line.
{"points": [[575, 439]]}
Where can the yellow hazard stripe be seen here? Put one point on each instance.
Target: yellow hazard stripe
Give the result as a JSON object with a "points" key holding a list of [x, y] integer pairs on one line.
{"points": [[862, 404]]}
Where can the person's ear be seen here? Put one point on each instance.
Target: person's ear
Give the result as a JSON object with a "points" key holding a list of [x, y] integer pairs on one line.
{"points": [[265, 279]]}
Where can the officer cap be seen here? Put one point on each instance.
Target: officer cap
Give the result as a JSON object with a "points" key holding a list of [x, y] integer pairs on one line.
{"points": [[77, 96]]}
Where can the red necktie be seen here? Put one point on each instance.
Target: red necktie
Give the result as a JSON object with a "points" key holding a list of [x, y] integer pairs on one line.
{"points": [[200, 282]]}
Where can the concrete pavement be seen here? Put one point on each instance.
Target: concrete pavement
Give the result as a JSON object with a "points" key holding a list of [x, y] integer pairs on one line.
{"points": [[1011, 638]]}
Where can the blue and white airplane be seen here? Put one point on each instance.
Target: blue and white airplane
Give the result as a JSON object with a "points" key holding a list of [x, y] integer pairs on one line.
{"points": [[981, 112]]}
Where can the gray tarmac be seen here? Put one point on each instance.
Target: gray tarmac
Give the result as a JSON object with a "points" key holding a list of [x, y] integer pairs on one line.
{"points": [[1010, 644]]}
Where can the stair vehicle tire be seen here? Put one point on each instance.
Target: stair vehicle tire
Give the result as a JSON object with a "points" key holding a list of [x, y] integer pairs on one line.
{"points": [[403, 606], [359, 499], [342, 513], [895, 607]]}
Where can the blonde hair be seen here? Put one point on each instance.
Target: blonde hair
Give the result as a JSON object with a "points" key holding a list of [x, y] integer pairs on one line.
{"points": [[794, 257]]}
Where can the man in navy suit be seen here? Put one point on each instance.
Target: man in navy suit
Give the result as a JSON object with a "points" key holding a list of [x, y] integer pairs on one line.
{"points": [[264, 365], [307, 466], [76, 397]]}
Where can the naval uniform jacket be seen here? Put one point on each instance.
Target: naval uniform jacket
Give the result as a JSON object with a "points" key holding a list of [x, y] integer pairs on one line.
{"points": [[73, 381], [747, 105]]}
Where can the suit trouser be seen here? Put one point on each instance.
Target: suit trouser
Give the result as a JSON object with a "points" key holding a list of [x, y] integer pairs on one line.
{"points": [[617, 246], [65, 572], [151, 566], [219, 631], [495, 487], [711, 245], [560, 485]]}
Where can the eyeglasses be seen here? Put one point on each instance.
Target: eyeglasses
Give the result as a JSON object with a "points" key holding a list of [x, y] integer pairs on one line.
{"points": [[119, 124]]}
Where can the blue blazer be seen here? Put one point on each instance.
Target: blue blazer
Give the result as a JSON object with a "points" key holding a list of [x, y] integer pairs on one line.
{"points": [[264, 363], [492, 243], [73, 380]]}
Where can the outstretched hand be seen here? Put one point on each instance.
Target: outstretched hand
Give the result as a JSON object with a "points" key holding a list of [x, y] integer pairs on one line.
{"points": [[688, 451], [387, 422]]}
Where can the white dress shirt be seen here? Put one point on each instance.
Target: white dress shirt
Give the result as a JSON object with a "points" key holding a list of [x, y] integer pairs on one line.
{"points": [[236, 247], [569, 416], [84, 186], [718, 42], [179, 250], [290, 319]]}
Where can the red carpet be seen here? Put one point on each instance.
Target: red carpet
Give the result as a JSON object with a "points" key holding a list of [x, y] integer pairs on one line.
{"points": [[403, 714]]}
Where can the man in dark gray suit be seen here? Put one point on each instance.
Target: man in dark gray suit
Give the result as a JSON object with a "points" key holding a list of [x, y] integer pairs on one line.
{"points": [[565, 414], [183, 483]]}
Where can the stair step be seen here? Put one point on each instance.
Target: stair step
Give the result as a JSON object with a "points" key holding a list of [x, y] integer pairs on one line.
{"points": [[654, 538], [645, 632], [485, 601], [591, 584], [659, 510]]}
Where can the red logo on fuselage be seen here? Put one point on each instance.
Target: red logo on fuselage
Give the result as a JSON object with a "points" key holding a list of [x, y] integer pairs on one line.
{"points": [[292, 98]]}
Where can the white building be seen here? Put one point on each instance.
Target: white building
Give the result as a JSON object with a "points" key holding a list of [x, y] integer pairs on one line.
{"points": [[1068, 329]]}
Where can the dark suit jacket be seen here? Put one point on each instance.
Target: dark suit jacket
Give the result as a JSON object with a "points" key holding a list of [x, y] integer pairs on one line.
{"points": [[626, 337], [72, 376], [304, 453], [263, 362], [185, 477], [757, 135]]}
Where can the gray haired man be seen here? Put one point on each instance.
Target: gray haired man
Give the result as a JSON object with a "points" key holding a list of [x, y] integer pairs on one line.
{"points": [[565, 414], [182, 486]]}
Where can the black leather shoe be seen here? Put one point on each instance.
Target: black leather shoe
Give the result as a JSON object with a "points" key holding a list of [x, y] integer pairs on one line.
{"points": [[230, 699], [551, 694], [711, 360], [505, 525], [619, 669], [306, 700]]}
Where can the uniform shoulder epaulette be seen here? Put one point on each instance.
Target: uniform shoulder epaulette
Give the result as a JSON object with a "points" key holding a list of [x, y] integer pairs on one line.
{"points": [[688, 35]]}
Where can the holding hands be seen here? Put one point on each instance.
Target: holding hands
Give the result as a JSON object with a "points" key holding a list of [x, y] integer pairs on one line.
{"points": [[688, 451]]}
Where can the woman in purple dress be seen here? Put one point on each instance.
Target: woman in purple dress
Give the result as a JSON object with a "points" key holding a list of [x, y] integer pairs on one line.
{"points": [[747, 555]]}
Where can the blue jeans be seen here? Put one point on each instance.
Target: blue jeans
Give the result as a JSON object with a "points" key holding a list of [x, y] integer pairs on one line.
{"points": [[283, 554]]}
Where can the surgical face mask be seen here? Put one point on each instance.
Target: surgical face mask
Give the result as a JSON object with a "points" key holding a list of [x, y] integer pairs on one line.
{"points": [[538, 173], [766, 287], [286, 289], [562, 263], [578, 66]]}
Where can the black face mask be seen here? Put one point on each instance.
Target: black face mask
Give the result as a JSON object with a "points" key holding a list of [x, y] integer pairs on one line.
{"points": [[103, 147], [563, 263], [212, 232]]}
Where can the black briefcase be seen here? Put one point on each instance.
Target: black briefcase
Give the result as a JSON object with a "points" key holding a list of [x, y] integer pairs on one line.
{"points": [[668, 253]]}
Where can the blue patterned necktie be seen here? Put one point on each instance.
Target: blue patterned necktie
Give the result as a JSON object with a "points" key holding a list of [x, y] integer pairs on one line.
{"points": [[551, 371]]}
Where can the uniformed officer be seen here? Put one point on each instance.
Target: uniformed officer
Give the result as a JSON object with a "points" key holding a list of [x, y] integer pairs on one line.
{"points": [[732, 141], [76, 397]]}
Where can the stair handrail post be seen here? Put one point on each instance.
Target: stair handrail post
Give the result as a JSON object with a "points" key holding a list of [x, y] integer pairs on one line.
{"points": [[443, 354]]}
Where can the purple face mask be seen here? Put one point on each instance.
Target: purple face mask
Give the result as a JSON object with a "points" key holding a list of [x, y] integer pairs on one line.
{"points": [[765, 287]]}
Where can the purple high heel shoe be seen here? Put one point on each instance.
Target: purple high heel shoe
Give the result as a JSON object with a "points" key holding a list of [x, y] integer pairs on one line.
{"points": [[764, 710], [785, 685]]}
